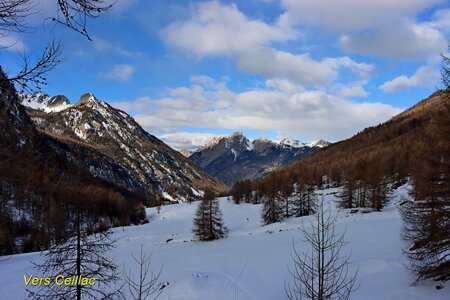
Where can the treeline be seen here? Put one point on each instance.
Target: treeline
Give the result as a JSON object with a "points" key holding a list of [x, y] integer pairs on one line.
{"points": [[37, 205], [367, 166], [280, 198]]}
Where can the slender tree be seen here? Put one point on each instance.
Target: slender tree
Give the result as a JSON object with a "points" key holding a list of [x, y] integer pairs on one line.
{"points": [[273, 202], [208, 221], [305, 200], [321, 272], [147, 285], [380, 193], [79, 256], [287, 190], [273, 208], [347, 197]]}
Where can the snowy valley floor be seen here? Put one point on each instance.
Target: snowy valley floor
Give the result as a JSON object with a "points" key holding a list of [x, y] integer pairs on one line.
{"points": [[252, 263]]}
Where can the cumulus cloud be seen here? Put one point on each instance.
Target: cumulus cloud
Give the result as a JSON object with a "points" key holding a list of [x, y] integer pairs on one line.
{"points": [[352, 91], [222, 30], [408, 41], [283, 85], [187, 140], [426, 76], [351, 15], [301, 69], [216, 29], [441, 20], [376, 27], [121, 72], [286, 111]]}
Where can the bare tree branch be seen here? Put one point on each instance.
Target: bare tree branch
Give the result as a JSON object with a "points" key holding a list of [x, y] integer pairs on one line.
{"points": [[148, 284], [13, 14], [33, 74], [74, 14]]}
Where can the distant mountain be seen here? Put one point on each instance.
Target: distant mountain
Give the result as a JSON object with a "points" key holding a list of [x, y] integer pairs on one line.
{"points": [[93, 124], [235, 157]]}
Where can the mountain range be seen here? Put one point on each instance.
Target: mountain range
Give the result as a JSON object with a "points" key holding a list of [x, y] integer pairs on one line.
{"points": [[235, 157], [91, 123]]}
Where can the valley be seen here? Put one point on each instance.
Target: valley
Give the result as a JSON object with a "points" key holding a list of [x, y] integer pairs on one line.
{"points": [[252, 262]]}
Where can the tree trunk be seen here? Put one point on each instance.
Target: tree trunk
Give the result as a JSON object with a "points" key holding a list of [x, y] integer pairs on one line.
{"points": [[78, 255]]}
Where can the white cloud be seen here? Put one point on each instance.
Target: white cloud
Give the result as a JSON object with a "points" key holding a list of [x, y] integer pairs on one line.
{"points": [[121, 72], [288, 112], [351, 15], [187, 140], [383, 28], [441, 20], [426, 76], [219, 30], [216, 29], [352, 91], [300, 69], [283, 85], [407, 41]]}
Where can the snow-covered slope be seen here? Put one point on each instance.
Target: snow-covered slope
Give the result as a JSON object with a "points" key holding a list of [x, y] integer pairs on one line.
{"points": [[43, 102], [252, 263]]}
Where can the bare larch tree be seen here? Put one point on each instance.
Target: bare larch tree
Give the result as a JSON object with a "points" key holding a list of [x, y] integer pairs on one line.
{"points": [[147, 285], [321, 272], [79, 256]]}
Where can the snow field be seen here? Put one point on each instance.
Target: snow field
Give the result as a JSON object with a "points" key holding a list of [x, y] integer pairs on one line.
{"points": [[252, 263]]}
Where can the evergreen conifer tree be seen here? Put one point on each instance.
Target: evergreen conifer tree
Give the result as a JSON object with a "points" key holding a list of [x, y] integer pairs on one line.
{"points": [[208, 221]]}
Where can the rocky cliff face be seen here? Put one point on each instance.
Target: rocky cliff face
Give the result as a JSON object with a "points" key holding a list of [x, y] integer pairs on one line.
{"points": [[235, 157], [101, 130]]}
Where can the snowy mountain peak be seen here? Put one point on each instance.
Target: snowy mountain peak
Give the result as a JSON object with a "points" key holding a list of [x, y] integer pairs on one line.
{"points": [[237, 134], [228, 141], [292, 143], [236, 140], [90, 100], [43, 102], [299, 144], [322, 143]]}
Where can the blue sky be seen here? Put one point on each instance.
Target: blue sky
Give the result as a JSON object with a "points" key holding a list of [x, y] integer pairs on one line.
{"points": [[304, 69]]}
